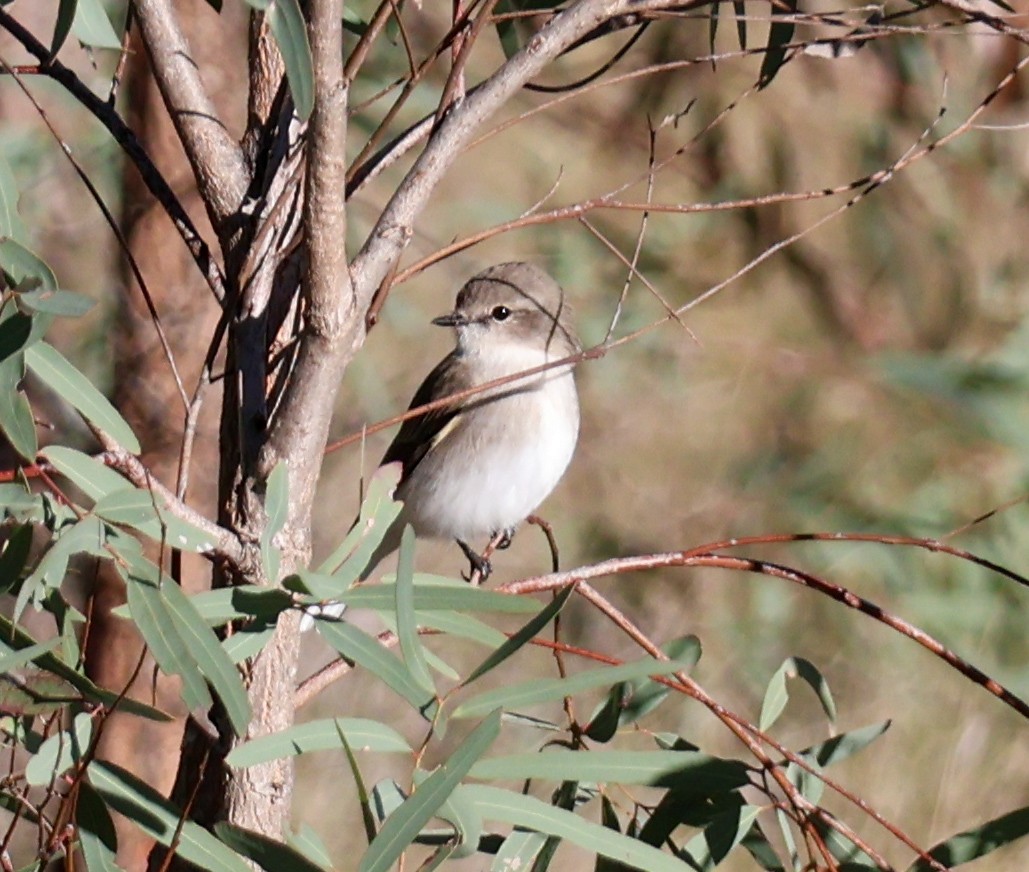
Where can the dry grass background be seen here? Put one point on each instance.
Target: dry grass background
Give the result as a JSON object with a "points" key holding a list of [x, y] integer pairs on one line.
{"points": [[870, 378]]}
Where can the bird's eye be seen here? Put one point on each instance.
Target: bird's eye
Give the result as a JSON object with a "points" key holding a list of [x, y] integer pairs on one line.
{"points": [[500, 313]]}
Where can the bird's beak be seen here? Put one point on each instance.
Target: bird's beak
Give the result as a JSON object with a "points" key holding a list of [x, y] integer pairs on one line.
{"points": [[454, 319]]}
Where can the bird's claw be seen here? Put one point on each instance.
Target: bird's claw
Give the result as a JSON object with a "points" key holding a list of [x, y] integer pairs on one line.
{"points": [[479, 564]]}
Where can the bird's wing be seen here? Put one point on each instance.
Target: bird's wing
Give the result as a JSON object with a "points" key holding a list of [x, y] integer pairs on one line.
{"points": [[418, 435]]}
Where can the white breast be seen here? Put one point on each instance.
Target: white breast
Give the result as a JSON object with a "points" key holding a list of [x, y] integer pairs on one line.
{"points": [[501, 458]]}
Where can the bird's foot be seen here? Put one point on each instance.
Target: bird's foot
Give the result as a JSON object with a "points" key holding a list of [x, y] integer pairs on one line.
{"points": [[480, 567], [502, 539]]}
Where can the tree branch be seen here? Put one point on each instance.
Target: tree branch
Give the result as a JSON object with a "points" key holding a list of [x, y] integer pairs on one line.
{"points": [[332, 328], [126, 138], [216, 158], [395, 226]]}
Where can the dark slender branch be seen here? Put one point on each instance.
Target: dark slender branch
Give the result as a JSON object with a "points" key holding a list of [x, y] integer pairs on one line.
{"points": [[123, 243], [126, 138], [704, 558]]}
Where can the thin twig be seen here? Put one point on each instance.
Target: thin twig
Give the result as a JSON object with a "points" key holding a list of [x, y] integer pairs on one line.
{"points": [[112, 222]]}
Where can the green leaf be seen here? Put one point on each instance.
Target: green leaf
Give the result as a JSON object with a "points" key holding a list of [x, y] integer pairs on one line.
{"points": [[430, 593], [534, 814], [88, 474], [378, 511], [462, 813], [548, 689], [653, 768], [407, 626], [160, 819], [309, 843], [205, 649], [757, 845], [60, 752], [15, 412], [243, 602], [779, 35], [629, 701], [404, 824], [13, 558], [84, 537], [462, 626], [15, 658], [148, 513], [65, 303], [97, 839], [276, 506], [18, 639], [366, 651], [14, 333], [978, 841], [290, 33], [845, 745], [776, 694], [519, 851], [739, 8], [321, 735], [65, 16], [92, 27], [523, 636], [24, 266], [54, 370], [155, 622], [267, 853], [708, 848]]}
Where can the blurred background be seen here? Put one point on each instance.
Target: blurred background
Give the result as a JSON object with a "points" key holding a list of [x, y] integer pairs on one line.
{"points": [[871, 377]]}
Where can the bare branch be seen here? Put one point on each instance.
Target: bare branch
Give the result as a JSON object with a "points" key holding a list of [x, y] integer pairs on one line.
{"points": [[126, 138], [215, 156], [395, 226], [301, 424], [225, 544]]}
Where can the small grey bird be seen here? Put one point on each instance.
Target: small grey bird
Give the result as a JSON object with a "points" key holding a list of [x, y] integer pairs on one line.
{"points": [[481, 465]]}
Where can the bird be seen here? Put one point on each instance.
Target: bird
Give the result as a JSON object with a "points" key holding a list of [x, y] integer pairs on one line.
{"points": [[479, 466]]}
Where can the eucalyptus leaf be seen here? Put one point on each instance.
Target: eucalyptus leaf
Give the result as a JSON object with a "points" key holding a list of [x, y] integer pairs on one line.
{"points": [[161, 820], [25, 267], [978, 842], [653, 768], [157, 626], [779, 36], [286, 22], [523, 636], [548, 689], [54, 370], [16, 419], [92, 27], [55, 302], [95, 829], [276, 507], [321, 735], [14, 333], [355, 644], [269, 854], [60, 752], [66, 10], [401, 827], [494, 803], [87, 473]]}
